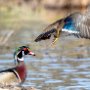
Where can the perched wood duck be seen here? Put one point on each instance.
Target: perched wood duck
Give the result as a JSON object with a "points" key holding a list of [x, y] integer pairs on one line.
{"points": [[75, 23], [16, 75]]}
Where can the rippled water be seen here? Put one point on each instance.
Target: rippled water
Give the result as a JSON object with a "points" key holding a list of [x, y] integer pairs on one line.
{"points": [[65, 67]]}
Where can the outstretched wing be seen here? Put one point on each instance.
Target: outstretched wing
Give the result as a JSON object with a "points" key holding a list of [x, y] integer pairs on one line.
{"points": [[45, 35], [52, 30], [76, 23]]}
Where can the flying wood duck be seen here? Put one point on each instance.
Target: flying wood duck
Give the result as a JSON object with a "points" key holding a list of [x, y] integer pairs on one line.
{"points": [[75, 23], [16, 75]]}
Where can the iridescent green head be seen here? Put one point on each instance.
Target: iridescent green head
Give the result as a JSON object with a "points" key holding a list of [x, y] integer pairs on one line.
{"points": [[21, 52]]}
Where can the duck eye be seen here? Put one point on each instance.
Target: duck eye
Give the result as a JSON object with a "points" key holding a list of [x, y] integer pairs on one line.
{"points": [[25, 49]]}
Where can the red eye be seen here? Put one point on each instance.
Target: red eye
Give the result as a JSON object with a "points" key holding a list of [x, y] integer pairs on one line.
{"points": [[25, 49]]}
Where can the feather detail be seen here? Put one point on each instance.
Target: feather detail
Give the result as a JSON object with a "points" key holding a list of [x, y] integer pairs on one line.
{"points": [[53, 29], [45, 35], [75, 23], [8, 78]]}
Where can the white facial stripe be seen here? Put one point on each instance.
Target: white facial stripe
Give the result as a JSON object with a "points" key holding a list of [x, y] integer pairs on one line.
{"points": [[19, 58], [23, 53]]}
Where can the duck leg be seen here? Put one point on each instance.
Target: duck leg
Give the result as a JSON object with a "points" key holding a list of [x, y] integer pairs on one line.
{"points": [[56, 37], [58, 31]]}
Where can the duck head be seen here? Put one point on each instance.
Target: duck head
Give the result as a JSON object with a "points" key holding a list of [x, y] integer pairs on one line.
{"points": [[21, 52]]}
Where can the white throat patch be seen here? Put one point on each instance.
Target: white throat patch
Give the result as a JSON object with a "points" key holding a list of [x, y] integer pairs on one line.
{"points": [[20, 59], [23, 53]]}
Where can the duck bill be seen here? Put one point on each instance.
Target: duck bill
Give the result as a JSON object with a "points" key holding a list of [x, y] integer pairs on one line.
{"points": [[31, 53]]}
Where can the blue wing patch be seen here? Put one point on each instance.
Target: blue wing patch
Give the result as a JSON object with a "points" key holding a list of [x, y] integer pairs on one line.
{"points": [[69, 26]]}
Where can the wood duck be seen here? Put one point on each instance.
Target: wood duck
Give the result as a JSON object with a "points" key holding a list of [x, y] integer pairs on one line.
{"points": [[16, 75], [76, 23]]}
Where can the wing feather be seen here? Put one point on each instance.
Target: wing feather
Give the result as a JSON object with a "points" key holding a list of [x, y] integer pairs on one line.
{"points": [[82, 24], [80, 20], [45, 35], [48, 31]]}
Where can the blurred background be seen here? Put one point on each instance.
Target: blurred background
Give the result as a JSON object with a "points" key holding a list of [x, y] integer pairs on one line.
{"points": [[22, 14], [64, 67]]}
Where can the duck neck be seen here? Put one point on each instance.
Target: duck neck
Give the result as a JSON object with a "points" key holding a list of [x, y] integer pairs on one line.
{"points": [[21, 70], [19, 58], [19, 61]]}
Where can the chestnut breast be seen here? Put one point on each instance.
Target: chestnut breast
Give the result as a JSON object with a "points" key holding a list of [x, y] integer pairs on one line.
{"points": [[21, 71]]}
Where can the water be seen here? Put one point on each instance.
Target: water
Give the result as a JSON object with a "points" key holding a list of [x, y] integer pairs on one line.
{"points": [[64, 67]]}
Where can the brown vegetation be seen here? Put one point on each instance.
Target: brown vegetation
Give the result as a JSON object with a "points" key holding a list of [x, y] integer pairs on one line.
{"points": [[46, 3]]}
